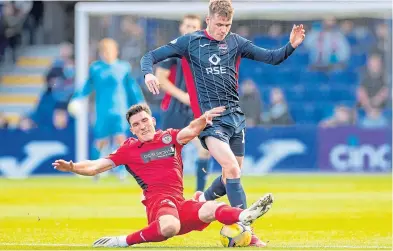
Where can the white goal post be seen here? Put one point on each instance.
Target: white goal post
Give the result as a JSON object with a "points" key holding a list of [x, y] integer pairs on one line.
{"points": [[263, 10]]}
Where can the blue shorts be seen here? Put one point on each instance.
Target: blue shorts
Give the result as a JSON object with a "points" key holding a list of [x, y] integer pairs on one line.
{"points": [[229, 128], [175, 120], [110, 125]]}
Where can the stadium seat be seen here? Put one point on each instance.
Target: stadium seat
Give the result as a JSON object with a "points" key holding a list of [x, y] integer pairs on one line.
{"points": [[313, 78], [303, 113], [343, 77], [357, 60]]}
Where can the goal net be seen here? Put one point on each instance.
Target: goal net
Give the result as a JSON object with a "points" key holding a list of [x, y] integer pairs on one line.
{"points": [[139, 27]]}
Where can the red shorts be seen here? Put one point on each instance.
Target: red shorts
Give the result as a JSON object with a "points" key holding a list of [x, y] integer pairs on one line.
{"points": [[184, 210]]}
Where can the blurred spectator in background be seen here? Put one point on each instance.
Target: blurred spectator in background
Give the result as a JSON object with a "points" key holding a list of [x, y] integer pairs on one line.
{"points": [[60, 119], [61, 85], [3, 121], [342, 116], [383, 37], [13, 19], [373, 90], [373, 119], [251, 102], [132, 43], [34, 19], [384, 44], [275, 31], [243, 31], [3, 39], [26, 124], [346, 27], [42, 116], [60, 77], [278, 113], [328, 47]]}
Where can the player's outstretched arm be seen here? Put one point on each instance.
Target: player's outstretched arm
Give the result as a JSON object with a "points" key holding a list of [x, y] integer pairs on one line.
{"points": [[197, 125], [276, 56], [86, 168]]}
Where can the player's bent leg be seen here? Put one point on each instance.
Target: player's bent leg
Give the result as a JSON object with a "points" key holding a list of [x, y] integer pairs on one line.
{"points": [[216, 190], [169, 225], [207, 212], [222, 152], [240, 161], [213, 210]]}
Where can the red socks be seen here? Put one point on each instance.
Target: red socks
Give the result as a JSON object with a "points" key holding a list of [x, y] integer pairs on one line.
{"points": [[150, 233], [228, 215]]}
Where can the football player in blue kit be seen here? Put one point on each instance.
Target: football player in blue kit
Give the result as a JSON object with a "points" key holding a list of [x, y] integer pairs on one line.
{"points": [[211, 60]]}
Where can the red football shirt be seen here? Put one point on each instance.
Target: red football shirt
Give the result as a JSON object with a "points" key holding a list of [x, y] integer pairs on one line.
{"points": [[156, 165]]}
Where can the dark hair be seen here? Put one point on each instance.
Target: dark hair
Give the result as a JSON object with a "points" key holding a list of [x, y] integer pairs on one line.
{"points": [[135, 109], [221, 7]]}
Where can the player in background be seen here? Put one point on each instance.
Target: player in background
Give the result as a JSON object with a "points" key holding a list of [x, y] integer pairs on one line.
{"points": [[154, 160], [211, 60], [175, 105], [115, 89]]}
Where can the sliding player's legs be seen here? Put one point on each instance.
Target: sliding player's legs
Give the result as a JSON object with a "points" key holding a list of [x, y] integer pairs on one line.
{"points": [[178, 218], [179, 120]]}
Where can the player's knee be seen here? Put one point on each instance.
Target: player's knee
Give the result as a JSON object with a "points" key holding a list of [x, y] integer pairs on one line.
{"points": [[232, 171], [207, 212], [169, 226]]}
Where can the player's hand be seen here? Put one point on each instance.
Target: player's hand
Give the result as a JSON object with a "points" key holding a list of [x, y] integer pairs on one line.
{"points": [[152, 83], [63, 166], [211, 114], [297, 35]]}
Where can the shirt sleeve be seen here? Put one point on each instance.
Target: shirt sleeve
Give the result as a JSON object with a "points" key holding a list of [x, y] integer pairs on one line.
{"points": [[273, 57], [120, 156], [176, 48], [168, 63], [174, 133]]}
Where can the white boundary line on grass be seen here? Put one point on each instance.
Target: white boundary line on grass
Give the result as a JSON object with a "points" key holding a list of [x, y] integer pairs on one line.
{"points": [[274, 246]]}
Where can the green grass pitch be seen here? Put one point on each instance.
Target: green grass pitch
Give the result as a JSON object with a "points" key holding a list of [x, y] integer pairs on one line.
{"points": [[317, 212]]}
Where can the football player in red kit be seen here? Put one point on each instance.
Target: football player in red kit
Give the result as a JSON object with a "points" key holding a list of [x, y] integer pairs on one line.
{"points": [[154, 160]]}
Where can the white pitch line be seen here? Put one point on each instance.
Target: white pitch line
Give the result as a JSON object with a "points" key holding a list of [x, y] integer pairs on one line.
{"points": [[273, 246], [44, 244]]}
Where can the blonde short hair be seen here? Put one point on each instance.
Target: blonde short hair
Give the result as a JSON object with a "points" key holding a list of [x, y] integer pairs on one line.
{"points": [[221, 7]]}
